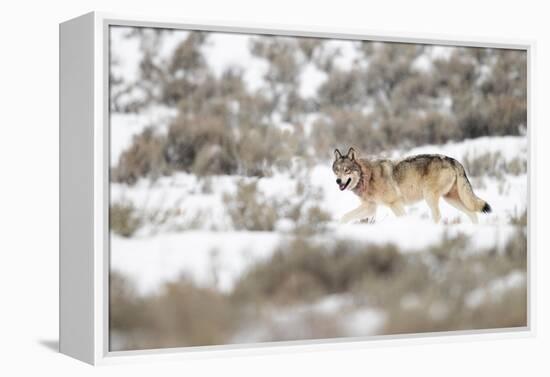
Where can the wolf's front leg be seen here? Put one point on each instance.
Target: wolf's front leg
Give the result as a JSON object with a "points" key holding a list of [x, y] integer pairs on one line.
{"points": [[364, 210]]}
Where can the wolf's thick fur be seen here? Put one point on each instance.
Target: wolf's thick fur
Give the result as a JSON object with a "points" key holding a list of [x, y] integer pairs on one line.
{"points": [[398, 183]]}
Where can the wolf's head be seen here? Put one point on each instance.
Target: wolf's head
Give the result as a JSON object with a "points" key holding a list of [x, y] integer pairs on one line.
{"points": [[347, 170]]}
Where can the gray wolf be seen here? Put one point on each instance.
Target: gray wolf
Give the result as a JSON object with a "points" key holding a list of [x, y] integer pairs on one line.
{"points": [[396, 184]]}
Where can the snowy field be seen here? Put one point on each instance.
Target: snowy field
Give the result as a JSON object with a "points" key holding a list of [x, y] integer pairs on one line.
{"points": [[162, 252]]}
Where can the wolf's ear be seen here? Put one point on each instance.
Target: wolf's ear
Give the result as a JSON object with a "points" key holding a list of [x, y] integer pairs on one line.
{"points": [[337, 154], [351, 154]]}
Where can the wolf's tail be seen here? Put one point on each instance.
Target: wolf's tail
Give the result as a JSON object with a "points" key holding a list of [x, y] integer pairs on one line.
{"points": [[466, 193]]}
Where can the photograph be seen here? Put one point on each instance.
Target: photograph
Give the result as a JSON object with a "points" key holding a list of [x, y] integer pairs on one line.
{"points": [[267, 188]]}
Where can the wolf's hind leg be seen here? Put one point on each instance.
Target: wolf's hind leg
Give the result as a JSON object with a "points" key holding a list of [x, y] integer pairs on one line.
{"points": [[364, 210], [397, 209]]}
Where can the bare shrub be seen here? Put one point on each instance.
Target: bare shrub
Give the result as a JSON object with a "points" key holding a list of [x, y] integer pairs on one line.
{"points": [[341, 127], [386, 103], [444, 288], [519, 218], [493, 164], [343, 89], [285, 57], [437, 314], [126, 308], [443, 296], [488, 90], [249, 210], [516, 166], [431, 128], [310, 220], [144, 158], [124, 219], [187, 315], [182, 314], [262, 149], [303, 270], [201, 145], [186, 70]]}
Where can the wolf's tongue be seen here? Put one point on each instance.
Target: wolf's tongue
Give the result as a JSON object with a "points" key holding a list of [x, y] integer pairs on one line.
{"points": [[344, 185]]}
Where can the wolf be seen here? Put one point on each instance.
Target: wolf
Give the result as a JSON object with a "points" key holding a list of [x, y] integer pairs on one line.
{"points": [[396, 184]]}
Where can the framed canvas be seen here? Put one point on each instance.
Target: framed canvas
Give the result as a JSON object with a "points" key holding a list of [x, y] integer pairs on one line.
{"points": [[230, 189]]}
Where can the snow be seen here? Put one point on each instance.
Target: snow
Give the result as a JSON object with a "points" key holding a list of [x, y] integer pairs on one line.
{"points": [[125, 52], [208, 258], [364, 322], [154, 260], [347, 56], [441, 52], [157, 254], [509, 147], [311, 78], [227, 50], [424, 62], [414, 235]]}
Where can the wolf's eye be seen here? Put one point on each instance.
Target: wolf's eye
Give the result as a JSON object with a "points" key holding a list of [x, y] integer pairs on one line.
{"points": [[346, 170]]}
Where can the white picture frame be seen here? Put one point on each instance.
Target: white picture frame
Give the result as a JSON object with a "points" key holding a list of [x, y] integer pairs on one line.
{"points": [[84, 180]]}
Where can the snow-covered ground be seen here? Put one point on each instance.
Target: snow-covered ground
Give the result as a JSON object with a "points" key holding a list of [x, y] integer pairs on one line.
{"points": [[187, 229], [212, 251]]}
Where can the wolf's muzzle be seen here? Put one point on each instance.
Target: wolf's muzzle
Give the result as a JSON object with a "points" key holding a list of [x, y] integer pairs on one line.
{"points": [[343, 185]]}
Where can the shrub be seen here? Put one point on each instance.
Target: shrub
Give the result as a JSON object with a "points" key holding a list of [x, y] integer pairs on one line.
{"points": [[224, 127], [124, 219], [493, 164], [431, 128], [519, 219], [444, 288], [443, 292], [343, 89], [144, 158], [181, 314], [249, 210], [341, 127], [202, 145], [304, 270]]}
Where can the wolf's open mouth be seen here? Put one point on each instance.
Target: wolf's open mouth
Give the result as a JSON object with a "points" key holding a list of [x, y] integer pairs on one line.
{"points": [[343, 186]]}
